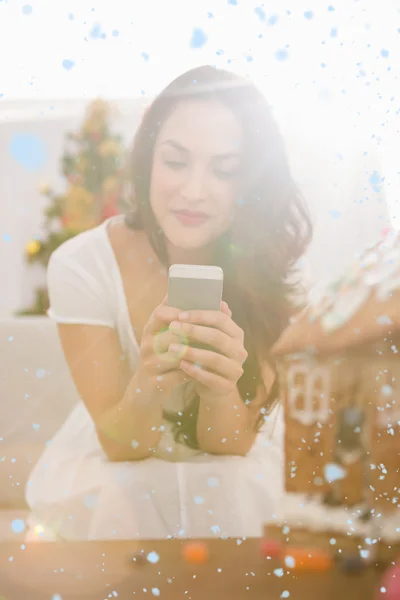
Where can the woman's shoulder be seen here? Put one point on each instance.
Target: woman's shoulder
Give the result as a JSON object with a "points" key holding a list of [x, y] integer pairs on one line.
{"points": [[82, 246], [101, 246], [81, 280], [98, 250]]}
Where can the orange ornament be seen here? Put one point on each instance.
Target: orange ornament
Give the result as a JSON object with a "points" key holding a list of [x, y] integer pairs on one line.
{"points": [[195, 553], [307, 559], [270, 548]]}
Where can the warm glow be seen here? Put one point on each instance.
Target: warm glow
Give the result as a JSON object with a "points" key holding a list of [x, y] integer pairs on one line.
{"points": [[38, 530]]}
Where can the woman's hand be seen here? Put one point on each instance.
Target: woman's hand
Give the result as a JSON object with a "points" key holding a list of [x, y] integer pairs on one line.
{"points": [[158, 370], [218, 369]]}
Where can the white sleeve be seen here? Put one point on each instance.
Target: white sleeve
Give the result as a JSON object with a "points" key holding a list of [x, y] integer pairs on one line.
{"points": [[75, 295]]}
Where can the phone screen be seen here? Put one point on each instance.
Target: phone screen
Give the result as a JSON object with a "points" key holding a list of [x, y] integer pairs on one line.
{"points": [[188, 293]]}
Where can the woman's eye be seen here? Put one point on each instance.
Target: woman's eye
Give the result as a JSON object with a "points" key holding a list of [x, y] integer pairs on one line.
{"points": [[175, 164], [225, 174]]}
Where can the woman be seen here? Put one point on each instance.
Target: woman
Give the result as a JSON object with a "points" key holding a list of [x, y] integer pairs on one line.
{"points": [[161, 446]]}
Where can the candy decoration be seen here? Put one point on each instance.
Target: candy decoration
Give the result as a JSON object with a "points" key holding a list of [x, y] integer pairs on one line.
{"points": [[389, 587], [195, 552], [352, 564], [377, 268], [307, 559], [270, 548]]}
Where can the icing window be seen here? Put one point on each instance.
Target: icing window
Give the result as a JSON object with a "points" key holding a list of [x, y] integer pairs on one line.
{"points": [[309, 392]]}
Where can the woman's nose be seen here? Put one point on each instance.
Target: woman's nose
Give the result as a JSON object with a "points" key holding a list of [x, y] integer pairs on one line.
{"points": [[194, 189]]}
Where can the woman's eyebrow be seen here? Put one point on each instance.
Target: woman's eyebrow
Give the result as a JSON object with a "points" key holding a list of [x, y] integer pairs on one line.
{"points": [[175, 145], [227, 155], [181, 148]]}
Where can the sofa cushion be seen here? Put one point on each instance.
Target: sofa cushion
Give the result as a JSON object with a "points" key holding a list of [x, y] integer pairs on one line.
{"points": [[36, 395]]}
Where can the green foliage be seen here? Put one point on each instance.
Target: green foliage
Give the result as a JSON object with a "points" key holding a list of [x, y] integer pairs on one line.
{"points": [[92, 164]]}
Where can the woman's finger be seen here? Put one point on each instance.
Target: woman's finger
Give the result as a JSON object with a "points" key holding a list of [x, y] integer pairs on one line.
{"points": [[212, 318], [211, 361], [225, 309], [171, 379], [161, 318], [159, 364], [154, 351], [208, 336], [210, 381], [166, 337]]}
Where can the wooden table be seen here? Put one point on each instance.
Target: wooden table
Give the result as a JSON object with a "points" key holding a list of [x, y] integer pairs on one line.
{"points": [[101, 570]]}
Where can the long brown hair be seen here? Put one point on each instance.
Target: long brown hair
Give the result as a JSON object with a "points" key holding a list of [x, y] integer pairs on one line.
{"points": [[271, 230]]}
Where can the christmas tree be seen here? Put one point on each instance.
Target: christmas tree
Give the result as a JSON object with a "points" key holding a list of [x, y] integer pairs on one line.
{"points": [[92, 165]]}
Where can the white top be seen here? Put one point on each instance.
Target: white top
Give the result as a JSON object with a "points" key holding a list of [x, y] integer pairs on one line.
{"points": [[85, 287], [79, 494], [84, 281]]}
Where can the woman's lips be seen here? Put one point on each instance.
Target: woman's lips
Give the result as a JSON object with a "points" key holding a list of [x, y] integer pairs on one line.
{"points": [[191, 218]]}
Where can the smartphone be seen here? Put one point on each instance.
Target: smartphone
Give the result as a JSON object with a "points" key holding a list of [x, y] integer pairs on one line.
{"points": [[195, 287]]}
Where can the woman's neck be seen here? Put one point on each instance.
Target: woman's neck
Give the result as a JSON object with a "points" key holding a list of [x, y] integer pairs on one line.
{"points": [[197, 256]]}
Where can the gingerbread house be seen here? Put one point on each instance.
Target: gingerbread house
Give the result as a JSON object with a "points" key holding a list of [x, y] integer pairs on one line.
{"points": [[339, 374]]}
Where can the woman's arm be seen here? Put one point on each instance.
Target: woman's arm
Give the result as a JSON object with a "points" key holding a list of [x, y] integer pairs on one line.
{"points": [[226, 425], [126, 407], [127, 420], [229, 426]]}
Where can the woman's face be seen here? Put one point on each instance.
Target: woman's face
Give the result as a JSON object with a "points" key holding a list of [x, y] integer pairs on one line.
{"points": [[196, 173]]}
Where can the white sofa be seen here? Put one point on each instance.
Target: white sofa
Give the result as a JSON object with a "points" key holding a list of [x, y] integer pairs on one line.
{"points": [[36, 395]]}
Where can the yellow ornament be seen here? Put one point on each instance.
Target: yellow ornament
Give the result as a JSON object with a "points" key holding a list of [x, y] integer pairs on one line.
{"points": [[32, 248], [109, 148]]}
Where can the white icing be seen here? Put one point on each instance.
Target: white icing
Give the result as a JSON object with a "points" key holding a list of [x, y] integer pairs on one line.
{"points": [[369, 260], [387, 288], [346, 306], [376, 271], [297, 510], [353, 275], [308, 403], [387, 268], [320, 302]]}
